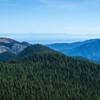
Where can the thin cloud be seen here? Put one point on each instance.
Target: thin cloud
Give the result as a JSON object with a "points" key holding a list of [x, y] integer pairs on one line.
{"points": [[58, 4], [69, 3]]}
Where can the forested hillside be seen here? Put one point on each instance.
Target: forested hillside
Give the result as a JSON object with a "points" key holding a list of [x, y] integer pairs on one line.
{"points": [[48, 75]]}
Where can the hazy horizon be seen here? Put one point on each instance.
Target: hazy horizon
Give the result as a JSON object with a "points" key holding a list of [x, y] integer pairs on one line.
{"points": [[48, 38]]}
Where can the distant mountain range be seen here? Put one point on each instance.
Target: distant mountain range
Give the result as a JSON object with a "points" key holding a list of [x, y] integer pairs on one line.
{"points": [[9, 48], [89, 49], [10, 45]]}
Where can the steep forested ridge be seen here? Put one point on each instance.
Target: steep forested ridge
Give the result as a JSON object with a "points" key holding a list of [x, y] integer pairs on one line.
{"points": [[48, 75]]}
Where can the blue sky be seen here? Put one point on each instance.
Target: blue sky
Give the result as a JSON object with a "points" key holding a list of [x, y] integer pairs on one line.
{"points": [[50, 20]]}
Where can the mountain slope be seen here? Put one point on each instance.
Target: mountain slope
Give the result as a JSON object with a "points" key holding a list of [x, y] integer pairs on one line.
{"points": [[35, 50], [12, 45], [7, 56], [89, 49], [7, 40], [48, 75]]}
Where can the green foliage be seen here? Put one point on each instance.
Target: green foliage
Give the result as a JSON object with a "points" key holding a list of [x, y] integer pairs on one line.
{"points": [[7, 56], [49, 76]]}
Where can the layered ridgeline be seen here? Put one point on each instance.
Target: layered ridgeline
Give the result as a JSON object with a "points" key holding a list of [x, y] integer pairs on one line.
{"points": [[89, 49], [40, 73], [9, 48]]}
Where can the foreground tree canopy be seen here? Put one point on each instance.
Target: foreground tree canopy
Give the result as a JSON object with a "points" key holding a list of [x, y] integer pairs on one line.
{"points": [[49, 76]]}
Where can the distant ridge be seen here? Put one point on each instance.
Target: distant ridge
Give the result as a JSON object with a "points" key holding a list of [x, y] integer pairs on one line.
{"points": [[89, 49], [7, 40], [11, 45]]}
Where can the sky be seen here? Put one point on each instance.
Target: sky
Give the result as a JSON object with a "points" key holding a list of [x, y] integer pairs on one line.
{"points": [[50, 20]]}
